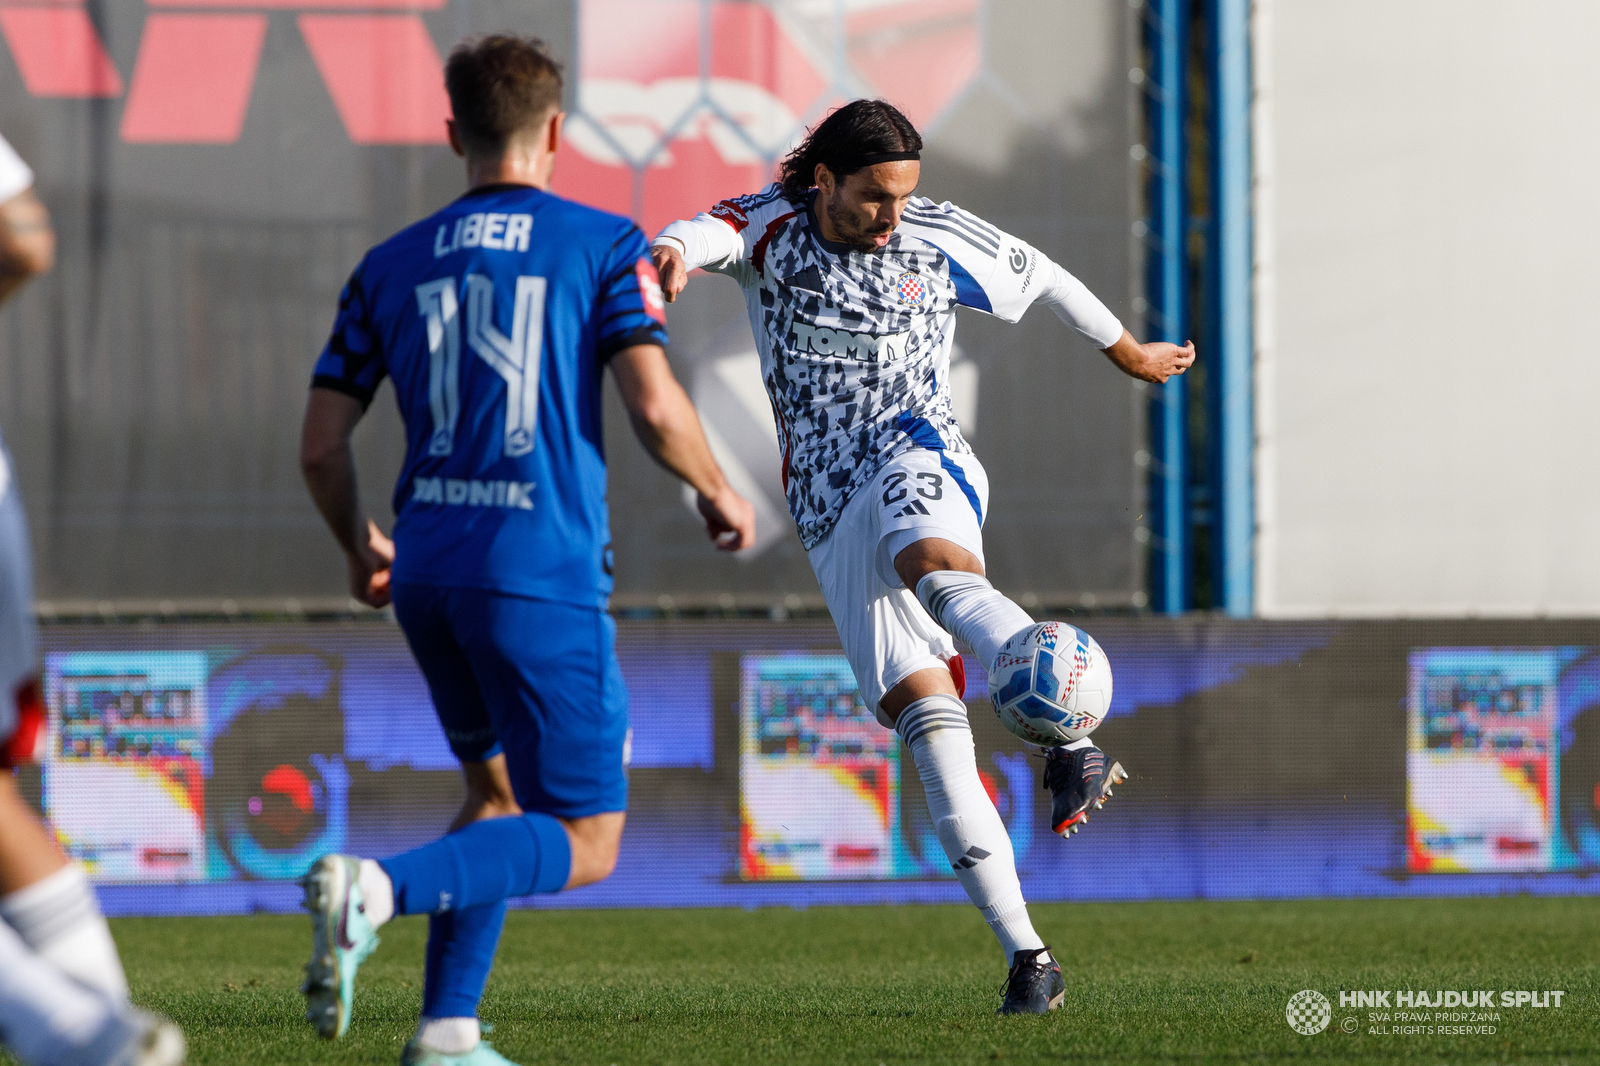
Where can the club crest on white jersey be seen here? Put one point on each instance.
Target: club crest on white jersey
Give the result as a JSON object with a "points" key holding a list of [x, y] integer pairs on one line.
{"points": [[911, 289]]}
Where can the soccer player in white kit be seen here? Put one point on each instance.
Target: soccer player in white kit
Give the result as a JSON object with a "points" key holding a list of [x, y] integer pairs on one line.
{"points": [[852, 284], [63, 997]]}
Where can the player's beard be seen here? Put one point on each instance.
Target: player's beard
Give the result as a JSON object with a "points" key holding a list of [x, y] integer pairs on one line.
{"points": [[850, 233]]}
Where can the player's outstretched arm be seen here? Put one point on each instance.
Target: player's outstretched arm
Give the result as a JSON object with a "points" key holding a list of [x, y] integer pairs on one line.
{"points": [[1079, 308], [329, 467], [27, 244], [1156, 361], [702, 241], [668, 427]]}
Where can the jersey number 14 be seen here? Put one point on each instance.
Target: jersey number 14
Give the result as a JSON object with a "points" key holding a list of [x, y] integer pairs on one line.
{"points": [[515, 358]]}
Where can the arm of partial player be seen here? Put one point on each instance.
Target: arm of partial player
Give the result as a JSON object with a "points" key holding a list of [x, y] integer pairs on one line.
{"points": [[702, 242], [1079, 308], [666, 424]]}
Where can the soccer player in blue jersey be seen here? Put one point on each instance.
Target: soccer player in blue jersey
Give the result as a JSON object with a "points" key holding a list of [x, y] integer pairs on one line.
{"points": [[495, 318]]}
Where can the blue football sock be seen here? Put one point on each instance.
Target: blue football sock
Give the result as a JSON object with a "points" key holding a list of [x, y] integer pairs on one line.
{"points": [[480, 864], [460, 953]]}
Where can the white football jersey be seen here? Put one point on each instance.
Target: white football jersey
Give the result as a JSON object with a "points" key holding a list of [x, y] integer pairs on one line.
{"points": [[855, 347]]}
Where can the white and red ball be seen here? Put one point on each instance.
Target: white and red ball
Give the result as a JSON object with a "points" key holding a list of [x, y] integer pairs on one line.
{"points": [[1051, 684]]}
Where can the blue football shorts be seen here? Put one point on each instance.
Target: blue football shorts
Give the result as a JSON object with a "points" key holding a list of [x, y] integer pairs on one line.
{"points": [[534, 679]]}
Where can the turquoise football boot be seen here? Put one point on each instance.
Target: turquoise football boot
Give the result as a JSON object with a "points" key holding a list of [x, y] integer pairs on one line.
{"points": [[481, 1055], [342, 938]]}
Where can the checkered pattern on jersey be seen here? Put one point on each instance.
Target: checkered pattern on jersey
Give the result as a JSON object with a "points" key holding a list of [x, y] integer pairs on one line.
{"points": [[855, 350]]}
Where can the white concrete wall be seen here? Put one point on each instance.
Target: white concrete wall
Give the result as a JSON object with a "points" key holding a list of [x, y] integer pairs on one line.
{"points": [[1428, 307]]}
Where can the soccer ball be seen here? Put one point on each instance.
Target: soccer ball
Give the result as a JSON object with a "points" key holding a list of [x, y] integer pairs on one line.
{"points": [[1051, 684]]}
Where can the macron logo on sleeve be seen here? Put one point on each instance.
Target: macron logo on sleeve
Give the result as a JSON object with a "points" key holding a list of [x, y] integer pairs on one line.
{"points": [[459, 492], [484, 229], [732, 214]]}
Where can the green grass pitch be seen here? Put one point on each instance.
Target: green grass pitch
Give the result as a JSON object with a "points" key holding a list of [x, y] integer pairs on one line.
{"points": [[1148, 982]]}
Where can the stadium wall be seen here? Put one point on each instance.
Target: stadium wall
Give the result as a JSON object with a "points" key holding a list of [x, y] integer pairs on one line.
{"points": [[200, 768], [151, 388], [1424, 211]]}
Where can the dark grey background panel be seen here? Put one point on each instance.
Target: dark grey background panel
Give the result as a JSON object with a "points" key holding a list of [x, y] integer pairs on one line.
{"points": [[151, 388]]}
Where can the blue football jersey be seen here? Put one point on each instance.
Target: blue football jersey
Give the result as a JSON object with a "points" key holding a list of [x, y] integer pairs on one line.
{"points": [[495, 317]]}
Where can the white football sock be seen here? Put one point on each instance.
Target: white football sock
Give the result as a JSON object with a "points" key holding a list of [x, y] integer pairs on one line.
{"points": [[967, 607], [448, 1036], [974, 838], [377, 892], [59, 918], [47, 1018]]}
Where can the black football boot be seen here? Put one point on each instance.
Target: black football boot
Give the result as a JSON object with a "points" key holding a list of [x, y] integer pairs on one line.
{"points": [[1078, 780], [1032, 986]]}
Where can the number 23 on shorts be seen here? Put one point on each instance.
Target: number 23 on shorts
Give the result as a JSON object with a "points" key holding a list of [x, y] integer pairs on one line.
{"points": [[894, 489]]}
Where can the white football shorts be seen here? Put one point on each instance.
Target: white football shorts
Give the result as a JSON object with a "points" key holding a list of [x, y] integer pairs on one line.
{"points": [[886, 633]]}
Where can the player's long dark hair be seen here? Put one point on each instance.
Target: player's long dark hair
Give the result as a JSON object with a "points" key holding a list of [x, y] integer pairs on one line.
{"points": [[859, 128]]}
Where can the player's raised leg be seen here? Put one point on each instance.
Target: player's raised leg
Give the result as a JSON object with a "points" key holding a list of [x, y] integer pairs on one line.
{"points": [[951, 585]]}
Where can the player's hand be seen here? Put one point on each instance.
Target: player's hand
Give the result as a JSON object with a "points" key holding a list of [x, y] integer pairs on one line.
{"points": [[1154, 362], [730, 520], [673, 270], [1163, 360], [370, 564]]}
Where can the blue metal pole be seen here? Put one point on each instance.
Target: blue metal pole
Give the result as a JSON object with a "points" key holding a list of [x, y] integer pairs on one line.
{"points": [[1166, 33], [1231, 357]]}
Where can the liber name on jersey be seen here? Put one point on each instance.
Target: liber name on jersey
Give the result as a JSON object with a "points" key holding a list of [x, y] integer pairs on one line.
{"points": [[484, 229]]}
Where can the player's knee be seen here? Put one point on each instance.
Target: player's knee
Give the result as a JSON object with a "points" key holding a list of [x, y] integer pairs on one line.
{"points": [[923, 557], [596, 842], [591, 863], [602, 862]]}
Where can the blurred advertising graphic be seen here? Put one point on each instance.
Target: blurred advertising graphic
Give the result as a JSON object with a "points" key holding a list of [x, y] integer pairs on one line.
{"points": [[175, 766], [1502, 761], [279, 785], [124, 778], [819, 778], [1480, 760], [826, 793]]}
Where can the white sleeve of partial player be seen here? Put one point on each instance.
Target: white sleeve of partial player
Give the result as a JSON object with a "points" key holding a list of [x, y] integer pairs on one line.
{"points": [[1075, 305], [15, 176], [707, 242]]}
